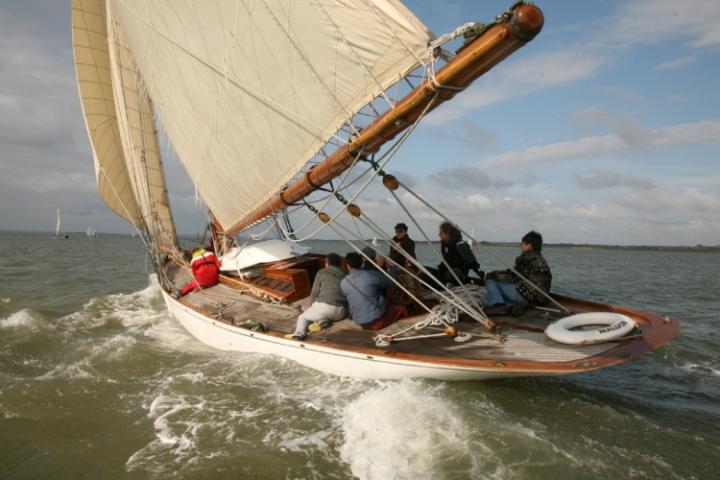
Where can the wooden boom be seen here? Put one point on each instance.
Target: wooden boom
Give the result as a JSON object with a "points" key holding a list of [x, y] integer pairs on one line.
{"points": [[487, 50]]}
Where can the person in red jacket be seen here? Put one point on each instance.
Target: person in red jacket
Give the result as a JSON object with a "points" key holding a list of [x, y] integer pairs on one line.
{"points": [[205, 266]]}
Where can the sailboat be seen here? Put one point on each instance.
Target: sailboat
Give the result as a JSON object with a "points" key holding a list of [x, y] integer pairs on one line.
{"points": [[281, 109], [58, 223]]}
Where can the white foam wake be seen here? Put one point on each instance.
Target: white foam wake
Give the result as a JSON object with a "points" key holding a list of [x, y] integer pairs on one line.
{"points": [[701, 367], [401, 430], [23, 319]]}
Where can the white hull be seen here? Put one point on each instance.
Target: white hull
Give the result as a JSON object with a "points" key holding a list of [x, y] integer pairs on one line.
{"points": [[329, 360]]}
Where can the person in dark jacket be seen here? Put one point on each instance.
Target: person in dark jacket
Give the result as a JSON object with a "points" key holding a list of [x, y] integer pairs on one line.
{"points": [[505, 289], [457, 254], [401, 240], [328, 303]]}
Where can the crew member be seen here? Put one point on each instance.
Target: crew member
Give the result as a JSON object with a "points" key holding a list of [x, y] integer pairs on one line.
{"points": [[205, 267]]}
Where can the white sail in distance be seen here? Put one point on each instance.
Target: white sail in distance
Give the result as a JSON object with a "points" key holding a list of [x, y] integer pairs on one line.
{"points": [[57, 223], [249, 91]]}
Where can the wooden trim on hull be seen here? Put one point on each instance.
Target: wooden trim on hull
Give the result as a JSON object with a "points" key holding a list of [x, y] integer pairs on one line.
{"points": [[656, 331]]}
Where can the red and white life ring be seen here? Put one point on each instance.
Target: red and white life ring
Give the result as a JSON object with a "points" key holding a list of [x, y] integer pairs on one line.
{"points": [[611, 326]]}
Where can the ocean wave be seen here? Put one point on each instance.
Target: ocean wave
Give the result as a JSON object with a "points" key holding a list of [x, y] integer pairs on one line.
{"points": [[24, 319], [701, 368], [135, 315], [175, 433], [402, 430], [81, 370]]}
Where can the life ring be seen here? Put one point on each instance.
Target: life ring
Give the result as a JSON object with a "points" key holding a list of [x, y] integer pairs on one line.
{"points": [[614, 325]]}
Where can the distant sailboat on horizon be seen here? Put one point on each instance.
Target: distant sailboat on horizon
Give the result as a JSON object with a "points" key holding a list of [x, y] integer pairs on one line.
{"points": [[57, 223]]}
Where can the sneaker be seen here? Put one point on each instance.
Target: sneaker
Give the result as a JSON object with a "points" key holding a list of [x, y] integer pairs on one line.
{"points": [[317, 326], [294, 336]]}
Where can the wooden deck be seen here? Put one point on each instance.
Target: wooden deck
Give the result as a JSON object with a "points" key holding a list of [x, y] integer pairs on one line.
{"points": [[519, 339]]}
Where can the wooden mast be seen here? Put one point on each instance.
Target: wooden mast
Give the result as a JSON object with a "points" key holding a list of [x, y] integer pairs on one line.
{"points": [[487, 50]]}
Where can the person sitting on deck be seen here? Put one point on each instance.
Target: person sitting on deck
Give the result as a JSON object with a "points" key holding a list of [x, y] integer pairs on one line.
{"points": [[373, 255], [327, 301], [457, 254], [506, 290], [401, 241], [364, 292], [205, 267]]}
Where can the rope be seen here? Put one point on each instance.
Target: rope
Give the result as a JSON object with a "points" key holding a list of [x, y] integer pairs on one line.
{"points": [[444, 313], [432, 247], [384, 160], [477, 315], [406, 271]]}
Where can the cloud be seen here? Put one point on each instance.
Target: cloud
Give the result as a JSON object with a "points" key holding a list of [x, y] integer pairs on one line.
{"points": [[677, 62], [601, 180], [521, 77], [687, 133], [476, 137], [658, 21], [627, 128], [469, 176], [625, 95], [691, 203]]}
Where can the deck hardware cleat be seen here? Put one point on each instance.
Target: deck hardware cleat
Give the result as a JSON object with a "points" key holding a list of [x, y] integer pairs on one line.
{"points": [[382, 340], [462, 337]]}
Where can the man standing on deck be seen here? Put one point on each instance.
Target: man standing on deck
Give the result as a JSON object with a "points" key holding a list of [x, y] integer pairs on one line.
{"points": [[366, 300], [327, 301]]}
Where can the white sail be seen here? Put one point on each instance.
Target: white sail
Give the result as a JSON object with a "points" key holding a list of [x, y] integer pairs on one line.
{"points": [[119, 120], [57, 223], [249, 91], [139, 138], [92, 64]]}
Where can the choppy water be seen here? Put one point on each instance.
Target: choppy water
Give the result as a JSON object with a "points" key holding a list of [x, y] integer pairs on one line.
{"points": [[98, 381]]}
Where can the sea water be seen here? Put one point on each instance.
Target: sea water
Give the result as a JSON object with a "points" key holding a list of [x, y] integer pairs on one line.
{"points": [[97, 380]]}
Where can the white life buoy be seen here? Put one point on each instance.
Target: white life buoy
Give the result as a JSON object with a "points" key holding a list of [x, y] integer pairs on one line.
{"points": [[613, 325]]}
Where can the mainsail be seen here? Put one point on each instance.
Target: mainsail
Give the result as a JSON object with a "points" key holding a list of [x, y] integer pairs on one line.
{"points": [[250, 91]]}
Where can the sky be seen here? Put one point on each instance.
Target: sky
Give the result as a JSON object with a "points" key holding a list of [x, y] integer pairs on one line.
{"points": [[604, 129]]}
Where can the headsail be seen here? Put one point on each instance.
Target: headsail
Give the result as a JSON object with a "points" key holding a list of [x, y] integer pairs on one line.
{"points": [[120, 122], [92, 65], [248, 92], [139, 138]]}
